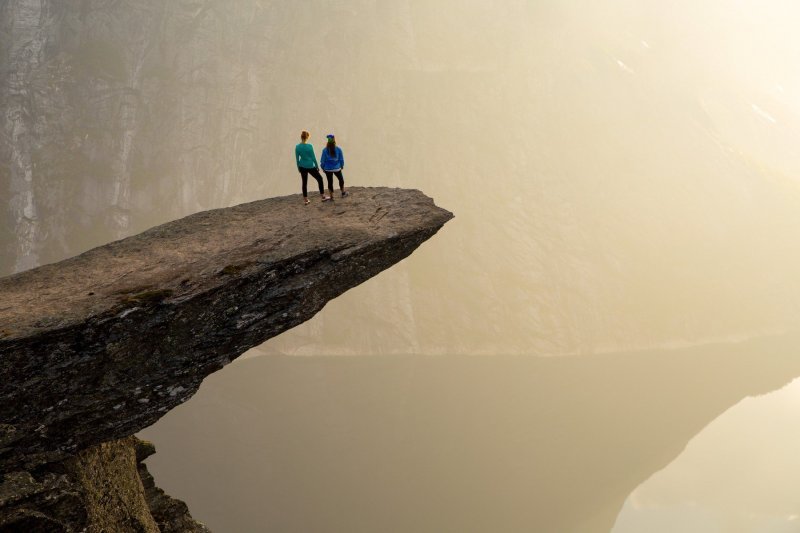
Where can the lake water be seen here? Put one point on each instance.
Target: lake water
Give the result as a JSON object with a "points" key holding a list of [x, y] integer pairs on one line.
{"points": [[698, 439]]}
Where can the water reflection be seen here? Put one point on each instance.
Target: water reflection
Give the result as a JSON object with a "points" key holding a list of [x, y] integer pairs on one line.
{"points": [[741, 474], [447, 443]]}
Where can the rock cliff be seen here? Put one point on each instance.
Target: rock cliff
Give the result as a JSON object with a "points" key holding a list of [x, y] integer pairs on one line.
{"points": [[97, 347]]}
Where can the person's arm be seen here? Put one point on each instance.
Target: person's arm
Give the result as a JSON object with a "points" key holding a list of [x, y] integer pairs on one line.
{"points": [[297, 156], [314, 157], [341, 157], [323, 158]]}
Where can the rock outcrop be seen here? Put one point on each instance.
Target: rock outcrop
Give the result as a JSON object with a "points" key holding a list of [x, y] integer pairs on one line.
{"points": [[97, 347]]}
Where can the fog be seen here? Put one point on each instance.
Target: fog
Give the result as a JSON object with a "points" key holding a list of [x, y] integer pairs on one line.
{"points": [[621, 174], [625, 183]]}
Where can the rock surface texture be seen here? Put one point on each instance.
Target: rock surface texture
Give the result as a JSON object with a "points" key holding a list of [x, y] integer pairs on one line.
{"points": [[97, 347]]}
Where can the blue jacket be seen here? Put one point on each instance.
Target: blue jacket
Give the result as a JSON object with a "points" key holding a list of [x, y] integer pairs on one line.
{"points": [[331, 162]]}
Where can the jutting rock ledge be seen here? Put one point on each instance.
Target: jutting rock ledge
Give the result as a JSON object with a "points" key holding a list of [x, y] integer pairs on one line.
{"points": [[97, 347]]}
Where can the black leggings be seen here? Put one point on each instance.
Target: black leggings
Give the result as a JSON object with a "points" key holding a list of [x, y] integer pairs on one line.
{"points": [[339, 175], [304, 172]]}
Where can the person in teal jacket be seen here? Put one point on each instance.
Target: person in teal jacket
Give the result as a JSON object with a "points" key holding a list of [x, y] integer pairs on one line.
{"points": [[307, 164], [332, 162]]}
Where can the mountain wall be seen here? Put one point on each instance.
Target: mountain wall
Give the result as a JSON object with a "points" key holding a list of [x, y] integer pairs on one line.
{"points": [[118, 116]]}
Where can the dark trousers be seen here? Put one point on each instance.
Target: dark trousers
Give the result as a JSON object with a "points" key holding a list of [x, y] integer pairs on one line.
{"points": [[304, 172], [339, 175]]}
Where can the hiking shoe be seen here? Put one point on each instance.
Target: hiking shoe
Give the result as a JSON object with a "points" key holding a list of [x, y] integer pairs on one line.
{"points": [[345, 193], [326, 198]]}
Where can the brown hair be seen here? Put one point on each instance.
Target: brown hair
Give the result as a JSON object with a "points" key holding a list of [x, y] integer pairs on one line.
{"points": [[304, 135], [331, 145]]}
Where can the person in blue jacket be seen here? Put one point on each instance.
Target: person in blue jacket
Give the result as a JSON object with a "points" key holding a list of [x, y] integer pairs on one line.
{"points": [[332, 161], [307, 164]]}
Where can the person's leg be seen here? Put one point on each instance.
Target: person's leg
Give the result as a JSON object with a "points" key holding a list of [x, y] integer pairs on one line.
{"points": [[329, 175], [341, 183], [317, 176], [304, 176]]}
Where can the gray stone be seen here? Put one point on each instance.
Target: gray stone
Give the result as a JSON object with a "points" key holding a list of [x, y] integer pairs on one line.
{"points": [[97, 347], [87, 340]]}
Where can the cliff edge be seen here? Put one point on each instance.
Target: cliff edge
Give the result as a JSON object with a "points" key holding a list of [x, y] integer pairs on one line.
{"points": [[97, 347]]}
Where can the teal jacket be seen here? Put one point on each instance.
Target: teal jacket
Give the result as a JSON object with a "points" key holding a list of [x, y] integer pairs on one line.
{"points": [[304, 154]]}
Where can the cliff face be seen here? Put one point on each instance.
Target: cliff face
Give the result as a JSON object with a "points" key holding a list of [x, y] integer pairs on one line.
{"points": [[103, 488], [98, 486], [106, 99], [97, 347]]}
